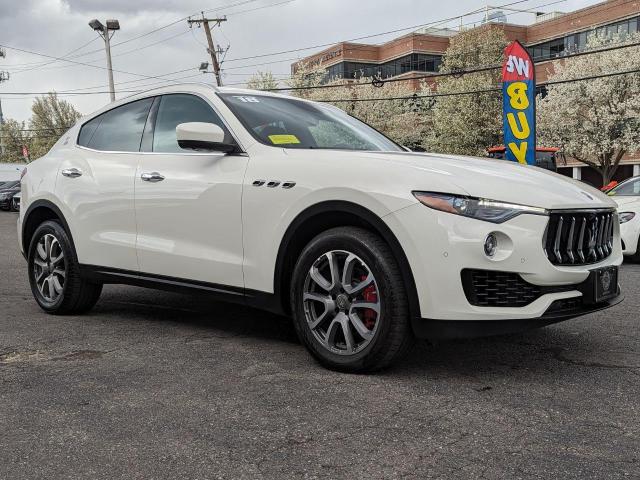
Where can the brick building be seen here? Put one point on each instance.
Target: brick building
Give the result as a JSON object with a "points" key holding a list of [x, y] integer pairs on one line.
{"points": [[551, 37]]}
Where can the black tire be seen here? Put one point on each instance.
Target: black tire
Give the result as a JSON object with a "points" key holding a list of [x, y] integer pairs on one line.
{"points": [[392, 335], [77, 294]]}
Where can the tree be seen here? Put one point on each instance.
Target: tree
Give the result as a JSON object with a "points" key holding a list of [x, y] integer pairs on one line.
{"points": [[262, 81], [406, 121], [51, 118], [595, 121], [468, 124], [14, 137], [305, 76]]}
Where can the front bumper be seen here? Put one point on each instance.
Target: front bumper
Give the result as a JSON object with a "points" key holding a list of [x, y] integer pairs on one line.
{"points": [[559, 311], [439, 246]]}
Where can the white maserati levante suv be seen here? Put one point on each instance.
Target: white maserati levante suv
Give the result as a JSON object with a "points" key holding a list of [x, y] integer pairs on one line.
{"points": [[297, 208]]}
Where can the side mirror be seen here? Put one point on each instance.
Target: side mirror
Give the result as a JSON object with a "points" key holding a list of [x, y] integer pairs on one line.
{"points": [[203, 136]]}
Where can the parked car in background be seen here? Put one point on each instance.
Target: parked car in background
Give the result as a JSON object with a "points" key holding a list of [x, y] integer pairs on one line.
{"points": [[10, 172], [627, 196], [296, 207], [7, 192], [15, 202], [546, 157]]}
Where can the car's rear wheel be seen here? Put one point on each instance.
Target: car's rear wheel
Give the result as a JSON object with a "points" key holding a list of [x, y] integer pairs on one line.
{"points": [[349, 302], [54, 273]]}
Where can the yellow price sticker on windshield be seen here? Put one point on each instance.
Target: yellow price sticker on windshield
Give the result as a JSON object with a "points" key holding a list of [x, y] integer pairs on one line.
{"points": [[283, 139]]}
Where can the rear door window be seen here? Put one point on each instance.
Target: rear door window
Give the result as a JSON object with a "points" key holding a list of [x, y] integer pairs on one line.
{"points": [[118, 130]]}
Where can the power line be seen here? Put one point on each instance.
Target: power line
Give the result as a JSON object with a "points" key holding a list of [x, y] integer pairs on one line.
{"points": [[204, 22], [413, 27], [454, 73], [92, 62], [87, 62], [357, 47], [128, 40], [47, 63], [31, 52], [405, 97], [479, 91], [434, 75], [175, 22], [372, 47]]}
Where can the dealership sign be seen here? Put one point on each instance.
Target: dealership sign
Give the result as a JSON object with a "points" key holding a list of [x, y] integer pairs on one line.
{"points": [[519, 104]]}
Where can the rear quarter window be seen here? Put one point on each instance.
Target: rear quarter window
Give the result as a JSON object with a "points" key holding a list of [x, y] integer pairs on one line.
{"points": [[118, 130]]}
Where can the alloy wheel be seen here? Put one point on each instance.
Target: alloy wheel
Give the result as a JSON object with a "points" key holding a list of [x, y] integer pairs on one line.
{"points": [[342, 302], [49, 268]]}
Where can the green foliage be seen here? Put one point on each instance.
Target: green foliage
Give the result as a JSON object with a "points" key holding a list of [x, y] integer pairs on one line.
{"points": [[597, 121], [468, 124], [50, 119], [14, 137], [405, 122], [262, 81]]}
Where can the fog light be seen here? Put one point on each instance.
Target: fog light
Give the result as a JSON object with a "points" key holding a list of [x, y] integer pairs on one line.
{"points": [[490, 245]]}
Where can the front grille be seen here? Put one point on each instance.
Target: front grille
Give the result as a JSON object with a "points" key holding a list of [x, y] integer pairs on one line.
{"points": [[579, 237], [489, 288]]}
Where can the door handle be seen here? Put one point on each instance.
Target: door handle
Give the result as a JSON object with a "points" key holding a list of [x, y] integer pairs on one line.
{"points": [[152, 177], [72, 172]]}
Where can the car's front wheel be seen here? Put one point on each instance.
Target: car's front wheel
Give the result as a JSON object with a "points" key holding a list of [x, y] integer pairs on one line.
{"points": [[349, 302], [54, 273]]}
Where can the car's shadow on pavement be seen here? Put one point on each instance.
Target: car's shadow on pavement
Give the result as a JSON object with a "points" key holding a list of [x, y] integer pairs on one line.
{"points": [[532, 352]]}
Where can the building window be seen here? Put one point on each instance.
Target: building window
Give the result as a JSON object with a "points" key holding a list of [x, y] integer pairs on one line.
{"points": [[415, 62], [577, 42]]}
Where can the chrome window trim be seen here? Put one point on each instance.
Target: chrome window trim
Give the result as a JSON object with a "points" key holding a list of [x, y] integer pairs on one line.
{"points": [[198, 154], [202, 97]]}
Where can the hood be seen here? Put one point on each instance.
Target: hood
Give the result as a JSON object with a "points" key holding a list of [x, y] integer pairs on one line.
{"points": [[501, 180]]}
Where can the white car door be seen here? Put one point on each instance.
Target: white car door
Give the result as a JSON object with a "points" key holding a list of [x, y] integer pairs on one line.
{"points": [[188, 204], [96, 184]]}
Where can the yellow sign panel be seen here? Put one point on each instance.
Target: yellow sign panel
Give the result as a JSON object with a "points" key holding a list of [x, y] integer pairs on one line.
{"points": [[283, 139]]}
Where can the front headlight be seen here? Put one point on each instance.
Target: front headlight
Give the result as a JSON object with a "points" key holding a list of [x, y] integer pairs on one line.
{"points": [[626, 216], [478, 208]]}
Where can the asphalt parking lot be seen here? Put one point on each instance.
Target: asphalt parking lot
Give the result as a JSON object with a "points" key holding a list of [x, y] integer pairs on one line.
{"points": [[158, 385]]}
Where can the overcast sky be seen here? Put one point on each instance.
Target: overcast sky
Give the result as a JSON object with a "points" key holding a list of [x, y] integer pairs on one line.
{"points": [[58, 27]]}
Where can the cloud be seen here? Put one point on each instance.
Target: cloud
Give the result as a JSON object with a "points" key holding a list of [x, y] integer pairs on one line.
{"points": [[57, 27]]}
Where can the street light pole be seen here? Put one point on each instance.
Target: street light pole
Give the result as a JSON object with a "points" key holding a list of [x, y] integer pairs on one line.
{"points": [[103, 31], [107, 46]]}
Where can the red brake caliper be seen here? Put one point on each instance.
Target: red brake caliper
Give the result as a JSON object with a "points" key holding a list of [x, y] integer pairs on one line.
{"points": [[369, 295]]}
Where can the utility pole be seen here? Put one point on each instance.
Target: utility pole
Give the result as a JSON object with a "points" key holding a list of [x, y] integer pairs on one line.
{"points": [[103, 31], [4, 76], [212, 50]]}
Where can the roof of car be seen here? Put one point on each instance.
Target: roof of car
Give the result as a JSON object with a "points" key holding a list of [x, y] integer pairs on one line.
{"points": [[190, 87]]}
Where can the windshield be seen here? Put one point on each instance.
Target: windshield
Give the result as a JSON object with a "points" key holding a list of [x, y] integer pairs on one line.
{"points": [[291, 123], [629, 188]]}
